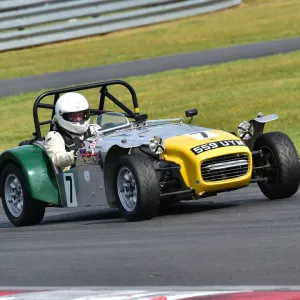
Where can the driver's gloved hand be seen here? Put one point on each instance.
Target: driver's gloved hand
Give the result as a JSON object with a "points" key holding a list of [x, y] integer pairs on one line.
{"points": [[78, 146], [75, 154], [81, 151], [78, 143]]}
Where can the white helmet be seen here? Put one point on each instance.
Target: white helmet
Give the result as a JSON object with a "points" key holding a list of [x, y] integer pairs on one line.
{"points": [[65, 113]]}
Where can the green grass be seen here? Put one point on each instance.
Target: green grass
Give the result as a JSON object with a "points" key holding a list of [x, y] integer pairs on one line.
{"points": [[223, 94], [253, 21]]}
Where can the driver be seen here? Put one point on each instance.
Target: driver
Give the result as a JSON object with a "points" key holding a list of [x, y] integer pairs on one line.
{"points": [[71, 125]]}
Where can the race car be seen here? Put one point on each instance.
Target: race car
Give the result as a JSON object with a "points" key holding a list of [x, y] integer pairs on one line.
{"points": [[136, 164]]}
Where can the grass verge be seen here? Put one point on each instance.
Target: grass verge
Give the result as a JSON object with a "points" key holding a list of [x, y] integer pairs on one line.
{"points": [[224, 96], [253, 21]]}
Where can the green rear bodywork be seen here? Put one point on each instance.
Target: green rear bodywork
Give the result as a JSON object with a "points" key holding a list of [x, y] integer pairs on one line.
{"points": [[38, 171]]}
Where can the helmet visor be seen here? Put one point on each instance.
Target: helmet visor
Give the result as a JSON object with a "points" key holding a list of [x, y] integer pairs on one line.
{"points": [[78, 116]]}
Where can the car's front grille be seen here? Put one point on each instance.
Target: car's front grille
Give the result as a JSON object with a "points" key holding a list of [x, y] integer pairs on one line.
{"points": [[225, 167]]}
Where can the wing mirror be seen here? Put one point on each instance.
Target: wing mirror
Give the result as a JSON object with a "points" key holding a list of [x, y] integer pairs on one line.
{"points": [[191, 112]]}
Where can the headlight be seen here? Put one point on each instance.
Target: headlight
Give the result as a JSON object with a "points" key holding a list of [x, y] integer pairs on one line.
{"points": [[245, 130], [156, 145]]}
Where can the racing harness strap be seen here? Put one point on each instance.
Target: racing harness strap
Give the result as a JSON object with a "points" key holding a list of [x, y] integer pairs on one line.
{"points": [[70, 142]]}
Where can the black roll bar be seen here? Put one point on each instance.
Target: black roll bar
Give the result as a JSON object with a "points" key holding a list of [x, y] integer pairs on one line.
{"points": [[104, 94]]}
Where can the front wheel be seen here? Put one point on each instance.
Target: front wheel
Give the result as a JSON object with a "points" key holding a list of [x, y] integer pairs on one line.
{"points": [[137, 188], [20, 209], [280, 165]]}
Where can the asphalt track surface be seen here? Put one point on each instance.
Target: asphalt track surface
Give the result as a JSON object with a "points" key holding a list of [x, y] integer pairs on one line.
{"points": [[146, 66], [237, 238]]}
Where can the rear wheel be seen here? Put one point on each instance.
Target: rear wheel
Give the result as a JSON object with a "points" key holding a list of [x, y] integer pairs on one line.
{"points": [[136, 188], [280, 163], [20, 209]]}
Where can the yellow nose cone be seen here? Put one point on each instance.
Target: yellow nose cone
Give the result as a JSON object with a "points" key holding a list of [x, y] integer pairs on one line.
{"points": [[194, 152]]}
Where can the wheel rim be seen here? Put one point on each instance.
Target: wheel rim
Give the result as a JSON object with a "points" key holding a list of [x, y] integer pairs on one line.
{"points": [[127, 189], [13, 195]]}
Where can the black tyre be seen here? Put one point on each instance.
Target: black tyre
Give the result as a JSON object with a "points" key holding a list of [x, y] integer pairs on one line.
{"points": [[136, 187], [282, 168], [20, 209]]}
